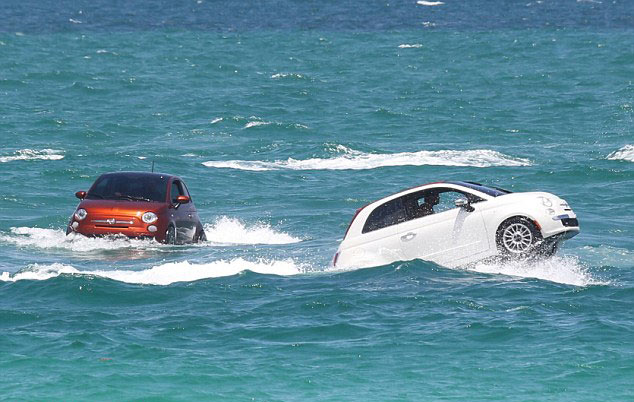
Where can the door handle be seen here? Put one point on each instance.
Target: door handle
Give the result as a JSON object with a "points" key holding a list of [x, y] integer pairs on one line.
{"points": [[408, 236]]}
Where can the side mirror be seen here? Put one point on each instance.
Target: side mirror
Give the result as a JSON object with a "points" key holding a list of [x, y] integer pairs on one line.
{"points": [[80, 194], [182, 199], [464, 204]]}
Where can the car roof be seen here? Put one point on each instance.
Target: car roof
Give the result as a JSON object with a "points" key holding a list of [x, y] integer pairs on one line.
{"points": [[467, 185], [472, 185], [148, 174]]}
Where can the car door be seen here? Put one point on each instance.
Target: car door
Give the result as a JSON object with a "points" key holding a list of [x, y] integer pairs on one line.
{"points": [[180, 213], [192, 214], [440, 231]]}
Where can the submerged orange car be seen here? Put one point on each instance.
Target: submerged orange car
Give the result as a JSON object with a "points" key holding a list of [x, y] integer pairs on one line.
{"points": [[138, 205]]}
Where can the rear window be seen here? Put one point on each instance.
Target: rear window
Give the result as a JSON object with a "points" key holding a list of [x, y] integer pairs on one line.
{"points": [[129, 186]]}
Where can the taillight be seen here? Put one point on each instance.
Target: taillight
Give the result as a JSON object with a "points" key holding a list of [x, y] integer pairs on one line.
{"points": [[353, 218]]}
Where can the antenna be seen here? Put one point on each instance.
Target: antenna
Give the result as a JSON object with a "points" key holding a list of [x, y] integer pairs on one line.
{"points": [[152, 166]]}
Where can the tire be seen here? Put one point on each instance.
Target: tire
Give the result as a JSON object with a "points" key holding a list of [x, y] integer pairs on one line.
{"points": [[517, 238], [170, 235], [200, 236]]}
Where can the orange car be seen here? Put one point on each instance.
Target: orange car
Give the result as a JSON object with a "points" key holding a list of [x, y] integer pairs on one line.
{"points": [[139, 205]]}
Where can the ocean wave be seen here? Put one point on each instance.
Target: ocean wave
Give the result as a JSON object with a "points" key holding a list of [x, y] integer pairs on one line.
{"points": [[626, 153], [566, 270], [408, 46], [256, 124], [232, 231], [225, 231], [164, 274], [355, 160], [33, 154], [429, 3], [57, 239], [604, 255], [289, 75]]}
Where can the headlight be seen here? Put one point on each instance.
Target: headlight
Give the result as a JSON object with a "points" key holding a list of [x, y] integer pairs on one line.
{"points": [[149, 217], [546, 202], [81, 214]]}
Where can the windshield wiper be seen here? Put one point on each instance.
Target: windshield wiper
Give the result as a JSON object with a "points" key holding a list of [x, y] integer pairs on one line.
{"points": [[133, 198]]}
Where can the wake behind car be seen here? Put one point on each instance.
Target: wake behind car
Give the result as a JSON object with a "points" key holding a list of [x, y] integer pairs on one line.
{"points": [[139, 205], [455, 224]]}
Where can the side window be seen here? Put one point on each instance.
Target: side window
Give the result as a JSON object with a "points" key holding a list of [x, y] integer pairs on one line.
{"points": [[421, 203], [437, 200], [388, 214], [447, 201], [176, 190], [185, 190]]}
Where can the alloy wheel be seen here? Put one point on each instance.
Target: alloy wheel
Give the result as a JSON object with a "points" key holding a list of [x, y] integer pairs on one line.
{"points": [[517, 238]]}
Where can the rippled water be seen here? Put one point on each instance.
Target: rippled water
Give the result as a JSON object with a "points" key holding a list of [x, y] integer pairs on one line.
{"points": [[283, 119]]}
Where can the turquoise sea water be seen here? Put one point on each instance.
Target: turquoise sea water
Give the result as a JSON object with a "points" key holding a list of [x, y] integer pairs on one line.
{"points": [[283, 119]]}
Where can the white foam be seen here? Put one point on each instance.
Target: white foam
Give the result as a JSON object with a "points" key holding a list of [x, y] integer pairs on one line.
{"points": [[232, 231], [164, 274], [224, 231], [57, 239], [626, 153], [256, 123], [566, 270], [355, 160], [429, 3], [284, 75], [216, 120], [33, 154], [408, 46]]}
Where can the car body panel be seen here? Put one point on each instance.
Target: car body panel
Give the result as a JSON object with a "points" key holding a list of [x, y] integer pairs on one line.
{"points": [[452, 234], [456, 236]]}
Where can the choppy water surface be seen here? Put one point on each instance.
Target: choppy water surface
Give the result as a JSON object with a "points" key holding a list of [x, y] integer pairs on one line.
{"points": [[283, 119]]}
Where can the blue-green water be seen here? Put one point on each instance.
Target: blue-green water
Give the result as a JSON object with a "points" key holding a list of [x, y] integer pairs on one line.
{"points": [[283, 119]]}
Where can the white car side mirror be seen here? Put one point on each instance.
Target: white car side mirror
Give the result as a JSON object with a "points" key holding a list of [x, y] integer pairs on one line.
{"points": [[464, 203]]}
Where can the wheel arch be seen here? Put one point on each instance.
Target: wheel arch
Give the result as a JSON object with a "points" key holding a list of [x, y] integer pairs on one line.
{"points": [[520, 216]]}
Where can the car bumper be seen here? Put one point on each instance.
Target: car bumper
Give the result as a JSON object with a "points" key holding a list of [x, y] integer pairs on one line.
{"points": [[90, 229], [563, 233]]}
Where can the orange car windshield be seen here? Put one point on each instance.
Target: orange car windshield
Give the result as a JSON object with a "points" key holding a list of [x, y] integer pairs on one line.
{"points": [[130, 187]]}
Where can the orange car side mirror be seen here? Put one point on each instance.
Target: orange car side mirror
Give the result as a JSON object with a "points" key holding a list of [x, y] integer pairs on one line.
{"points": [[80, 194], [182, 199]]}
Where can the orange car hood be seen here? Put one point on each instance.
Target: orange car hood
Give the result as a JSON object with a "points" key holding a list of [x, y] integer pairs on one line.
{"points": [[119, 207]]}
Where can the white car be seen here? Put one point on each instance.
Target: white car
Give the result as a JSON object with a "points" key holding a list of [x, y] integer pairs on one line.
{"points": [[454, 224]]}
